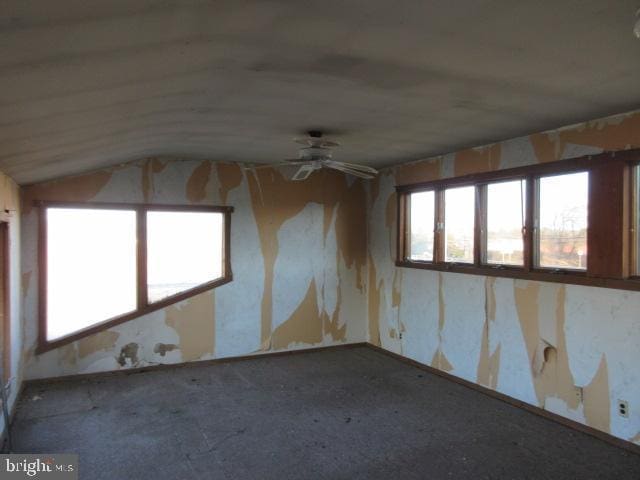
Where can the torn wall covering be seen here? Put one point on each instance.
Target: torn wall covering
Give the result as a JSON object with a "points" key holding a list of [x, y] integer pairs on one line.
{"points": [[10, 213], [298, 255], [534, 341], [313, 265]]}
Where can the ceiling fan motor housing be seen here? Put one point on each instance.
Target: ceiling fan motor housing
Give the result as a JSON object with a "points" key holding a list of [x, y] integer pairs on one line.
{"points": [[314, 153]]}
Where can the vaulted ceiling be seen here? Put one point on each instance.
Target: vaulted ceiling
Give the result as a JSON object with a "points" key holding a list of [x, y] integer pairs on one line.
{"points": [[90, 84]]}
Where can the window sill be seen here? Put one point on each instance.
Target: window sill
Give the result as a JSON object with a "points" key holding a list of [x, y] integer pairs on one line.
{"points": [[570, 277]]}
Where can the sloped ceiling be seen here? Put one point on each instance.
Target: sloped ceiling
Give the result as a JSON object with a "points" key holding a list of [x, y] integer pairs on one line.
{"points": [[90, 84]]}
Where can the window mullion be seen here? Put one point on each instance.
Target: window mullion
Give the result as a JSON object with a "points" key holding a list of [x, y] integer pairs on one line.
{"points": [[480, 225], [439, 237], [141, 223], [531, 206]]}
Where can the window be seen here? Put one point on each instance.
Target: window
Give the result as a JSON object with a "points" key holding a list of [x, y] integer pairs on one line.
{"points": [[422, 208], [91, 267], [104, 264], [459, 205], [572, 221], [506, 222], [198, 259], [562, 221]]}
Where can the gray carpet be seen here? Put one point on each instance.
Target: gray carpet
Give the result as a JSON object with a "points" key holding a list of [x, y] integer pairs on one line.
{"points": [[336, 414]]}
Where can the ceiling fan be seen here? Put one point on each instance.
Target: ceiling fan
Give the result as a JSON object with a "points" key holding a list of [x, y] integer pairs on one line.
{"points": [[316, 154]]}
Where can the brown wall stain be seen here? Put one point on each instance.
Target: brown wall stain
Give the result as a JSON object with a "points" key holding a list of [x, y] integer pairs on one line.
{"points": [[104, 340], [373, 302], [149, 168], [475, 160], [229, 177], [489, 364], [551, 374], [303, 326], [351, 226], [194, 321], [196, 189], [275, 200], [596, 399], [605, 134], [81, 188], [440, 362], [331, 325], [421, 171]]}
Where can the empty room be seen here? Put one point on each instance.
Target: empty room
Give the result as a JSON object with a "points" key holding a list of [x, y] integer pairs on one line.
{"points": [[325, 240]]}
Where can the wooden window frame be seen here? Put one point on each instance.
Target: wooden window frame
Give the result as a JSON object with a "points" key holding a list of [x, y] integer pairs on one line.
{"points": [[610, 236], [143, 306], [5, 247]]}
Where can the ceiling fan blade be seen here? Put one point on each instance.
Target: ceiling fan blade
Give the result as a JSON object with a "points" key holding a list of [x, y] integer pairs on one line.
{"points": [[286, 163], [303, 173], [355, 173], [353, 166]]}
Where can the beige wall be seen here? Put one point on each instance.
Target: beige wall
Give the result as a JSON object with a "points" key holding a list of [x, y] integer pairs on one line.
{"points": [[297, 254], [494, 331]]}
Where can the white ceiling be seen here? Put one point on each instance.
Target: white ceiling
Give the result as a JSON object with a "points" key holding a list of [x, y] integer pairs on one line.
{"points": [[86, 84]]}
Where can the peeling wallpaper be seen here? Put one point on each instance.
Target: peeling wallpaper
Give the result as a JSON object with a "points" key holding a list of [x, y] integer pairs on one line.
{"points": [[313, 265], [572, 350], [298, 255]]}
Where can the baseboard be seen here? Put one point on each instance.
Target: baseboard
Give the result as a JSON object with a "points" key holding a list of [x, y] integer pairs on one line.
{"points": [[618, 442], [171, 366]]}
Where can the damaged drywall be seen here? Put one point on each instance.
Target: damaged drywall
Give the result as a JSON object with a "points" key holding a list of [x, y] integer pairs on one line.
{"points": [[569, 349], [286, 237]]}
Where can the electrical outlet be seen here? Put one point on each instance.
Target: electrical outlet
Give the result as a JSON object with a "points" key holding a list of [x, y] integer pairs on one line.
{"points": [[623, 408]]}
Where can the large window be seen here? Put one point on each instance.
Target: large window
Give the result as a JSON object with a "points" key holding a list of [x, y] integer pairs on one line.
{"points": [[571, 221], [562, 221], [506, 222], [422, 209], [459, 207], [198, 258], [104, 264]]}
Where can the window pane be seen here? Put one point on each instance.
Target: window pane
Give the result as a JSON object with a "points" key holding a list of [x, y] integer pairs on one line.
{"points": [[422, 221], [459, 204], [91, 267], [505, 220], [184, 250], [562, 228]]}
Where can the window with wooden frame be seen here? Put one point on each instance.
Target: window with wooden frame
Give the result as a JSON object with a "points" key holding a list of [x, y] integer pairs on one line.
{"points": [[104, 264], [570, 221]]}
